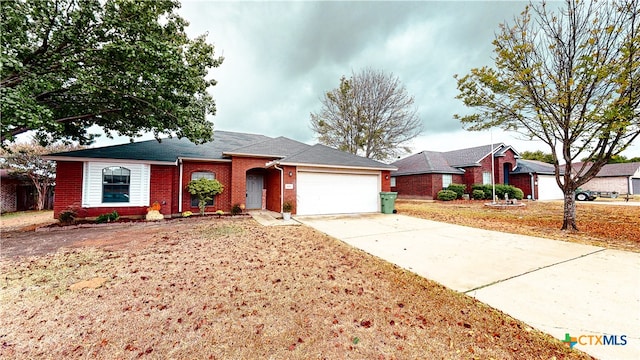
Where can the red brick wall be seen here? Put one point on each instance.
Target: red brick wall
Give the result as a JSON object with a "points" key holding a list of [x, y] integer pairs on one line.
{"points": [[162, 187], [68, 186], [239, 167], [385, 181], [523, 182], [420, 185], [272, 183], [222, 172], [290, 194], [8, 199]]}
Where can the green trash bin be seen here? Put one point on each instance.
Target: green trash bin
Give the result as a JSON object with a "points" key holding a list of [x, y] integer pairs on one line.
{"points": [[388, 202]]}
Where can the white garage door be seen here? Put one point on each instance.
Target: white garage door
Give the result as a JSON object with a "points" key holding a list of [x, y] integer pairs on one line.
{"points": [[336, 193], [548, 189]]}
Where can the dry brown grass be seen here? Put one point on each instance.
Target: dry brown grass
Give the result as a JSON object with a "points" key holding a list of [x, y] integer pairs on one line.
{"points": [[231, 289], [611, 226]]}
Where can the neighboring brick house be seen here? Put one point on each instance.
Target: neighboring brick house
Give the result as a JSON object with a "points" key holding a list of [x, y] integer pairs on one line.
{"points": [[17, 193], [537, 180], [423, 174], [257, 172], [623, 178]]}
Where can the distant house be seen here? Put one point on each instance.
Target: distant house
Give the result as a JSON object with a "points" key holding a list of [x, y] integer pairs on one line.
{"points": [[257, 172], [623, 178], [537, 180], [423, 174], [17, 193]]}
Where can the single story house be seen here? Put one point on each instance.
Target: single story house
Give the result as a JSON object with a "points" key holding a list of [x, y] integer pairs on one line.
{"points": [[623, 178], [257, 172], [423, 174], [537, 180]]}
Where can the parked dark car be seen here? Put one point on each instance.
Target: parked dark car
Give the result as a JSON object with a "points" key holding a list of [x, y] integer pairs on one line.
{"points": [[584, 195]]}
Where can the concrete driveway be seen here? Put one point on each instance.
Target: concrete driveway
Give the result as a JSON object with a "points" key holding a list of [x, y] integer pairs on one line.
{"points": [[554, 286]]}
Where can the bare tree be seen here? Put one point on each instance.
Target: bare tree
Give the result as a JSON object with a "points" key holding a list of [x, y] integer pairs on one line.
{"points": [[570, 78], [369, 114]]}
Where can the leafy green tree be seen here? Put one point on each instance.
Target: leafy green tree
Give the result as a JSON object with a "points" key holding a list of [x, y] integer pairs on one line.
{"points": [[126, 66], [26, 159], [570, 78], [369, 114], [537, 155], [204, 189]]}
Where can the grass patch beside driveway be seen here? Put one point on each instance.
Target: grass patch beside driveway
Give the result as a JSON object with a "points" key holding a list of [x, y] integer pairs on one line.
{"points": [[231, 289], [609, 226]]}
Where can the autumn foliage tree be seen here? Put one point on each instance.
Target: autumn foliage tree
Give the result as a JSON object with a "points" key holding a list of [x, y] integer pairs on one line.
{"points": [[570, 78], [369, 114], [26, 159], [126, 66]]}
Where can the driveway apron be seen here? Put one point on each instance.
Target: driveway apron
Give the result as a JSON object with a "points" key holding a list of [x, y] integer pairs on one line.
{"points": [[557, 287]]}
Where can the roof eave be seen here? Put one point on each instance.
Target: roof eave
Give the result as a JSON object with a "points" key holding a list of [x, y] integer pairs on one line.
{"points": [[128, 161], [335, 166], [267, 156]]}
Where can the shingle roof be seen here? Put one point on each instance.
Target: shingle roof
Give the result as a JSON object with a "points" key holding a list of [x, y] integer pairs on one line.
{"points": [[622, 169], [534, 166], [425, 162], [224, 144], [323, 155], [169, 149], [448, 162], [469, 156], [278, 147]]}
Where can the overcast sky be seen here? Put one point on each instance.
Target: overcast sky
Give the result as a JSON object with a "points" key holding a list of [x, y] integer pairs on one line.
{"points": [[280, 57]]}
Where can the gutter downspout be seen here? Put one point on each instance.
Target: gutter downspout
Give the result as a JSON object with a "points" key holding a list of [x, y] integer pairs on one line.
{"points": [[281, 185], [533, 189], [180, 187]]}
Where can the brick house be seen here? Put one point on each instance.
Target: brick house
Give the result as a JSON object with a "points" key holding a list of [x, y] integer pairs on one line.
{"points": [[17, 193], [423, 174], [257, 172], [623, 178], [537, 180]]}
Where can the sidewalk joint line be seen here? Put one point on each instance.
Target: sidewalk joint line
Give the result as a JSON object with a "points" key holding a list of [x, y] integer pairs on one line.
{"points": [[531, 271]]}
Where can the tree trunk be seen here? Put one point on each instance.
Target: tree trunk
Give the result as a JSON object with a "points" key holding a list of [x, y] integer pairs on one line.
{"points": [[569, 218]]}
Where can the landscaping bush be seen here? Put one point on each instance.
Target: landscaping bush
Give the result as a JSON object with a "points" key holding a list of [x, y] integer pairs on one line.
{"points": [[459, 189], [501, 189], [486, 190], [477, 194], [204, 189], [447, 195], [68, 217], [236, 209], [108, 217]]}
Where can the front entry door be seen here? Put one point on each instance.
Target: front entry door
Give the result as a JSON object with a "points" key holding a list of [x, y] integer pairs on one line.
{"points": [[254, 191]]}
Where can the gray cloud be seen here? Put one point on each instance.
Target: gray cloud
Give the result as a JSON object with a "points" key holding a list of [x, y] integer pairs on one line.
{"points": [[280, 57]]}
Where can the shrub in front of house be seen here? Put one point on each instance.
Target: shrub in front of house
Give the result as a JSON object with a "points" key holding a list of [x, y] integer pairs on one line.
{"points": [[447, 195], [501, 189], [108, 217], [477, 194], [459, 189]]}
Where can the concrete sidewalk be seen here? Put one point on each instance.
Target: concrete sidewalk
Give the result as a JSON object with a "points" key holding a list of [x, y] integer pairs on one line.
{"points": [[554, 286]]}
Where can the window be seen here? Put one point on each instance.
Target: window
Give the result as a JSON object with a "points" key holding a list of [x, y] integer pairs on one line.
{"points": [[486, 178], [200, 175], [446, 180], [116, 181], [393, 181]]}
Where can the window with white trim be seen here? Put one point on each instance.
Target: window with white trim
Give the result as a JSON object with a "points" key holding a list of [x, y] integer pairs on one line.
{"points": [[109, 184], [116, 182], [486, 178], [393, 181], [201, 175], [447, 179]]}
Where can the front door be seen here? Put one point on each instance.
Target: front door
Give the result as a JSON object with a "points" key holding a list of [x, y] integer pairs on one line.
{"points": [[254, 191]]}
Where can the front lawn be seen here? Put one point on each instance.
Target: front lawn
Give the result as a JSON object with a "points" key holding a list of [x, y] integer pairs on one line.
{"points": [[611, 226], [231, 289]]}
